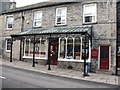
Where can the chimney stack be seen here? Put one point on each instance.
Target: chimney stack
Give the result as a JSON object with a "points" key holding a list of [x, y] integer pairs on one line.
{"points": [[13, 5]]}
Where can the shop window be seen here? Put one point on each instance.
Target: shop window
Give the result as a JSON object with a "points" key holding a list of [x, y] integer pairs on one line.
{"points": [[9, 22], [40, 48], [69, 48], [8, 45], [63, 49], [87, 51], [89, 13], [73, 49], [37, 19], [77, 49], [27, 48], [61, 16], [43, 49]]}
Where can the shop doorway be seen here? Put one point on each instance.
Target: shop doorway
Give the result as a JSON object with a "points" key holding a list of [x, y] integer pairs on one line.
{"points": [[104, 57], [53, 51]]}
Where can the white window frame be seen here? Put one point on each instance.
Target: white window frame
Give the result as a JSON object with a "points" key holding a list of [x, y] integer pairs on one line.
{"points": [[65, 15], [6, 40], [90, 14], [37, 20], [73, 60], [9, 16], [46, 49]]}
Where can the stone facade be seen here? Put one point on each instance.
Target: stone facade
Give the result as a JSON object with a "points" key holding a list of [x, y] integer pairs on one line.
{"points": [[103, 31]]}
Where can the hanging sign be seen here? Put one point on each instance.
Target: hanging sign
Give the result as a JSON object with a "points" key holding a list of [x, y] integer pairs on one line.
{"points": [[94, 53]]}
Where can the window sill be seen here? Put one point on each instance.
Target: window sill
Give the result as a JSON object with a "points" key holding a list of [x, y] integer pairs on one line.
{"points": [[32, 57], [73, 60], [8, 51], [60, 25], [89, 23], [9, 29], [36, 27]]}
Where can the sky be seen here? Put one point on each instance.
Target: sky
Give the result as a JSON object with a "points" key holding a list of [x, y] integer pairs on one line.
{"points": [[20, 3]]}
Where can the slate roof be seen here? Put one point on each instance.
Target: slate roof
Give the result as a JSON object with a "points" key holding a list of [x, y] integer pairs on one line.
{"points": [[37, 5], [56, 30]]}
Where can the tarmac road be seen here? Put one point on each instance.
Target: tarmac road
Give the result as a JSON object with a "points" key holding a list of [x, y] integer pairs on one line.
{"points": [[19, 78]]}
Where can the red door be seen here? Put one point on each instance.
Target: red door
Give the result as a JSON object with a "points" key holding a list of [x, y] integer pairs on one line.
{"points": [[53, 53], [104, 57]]}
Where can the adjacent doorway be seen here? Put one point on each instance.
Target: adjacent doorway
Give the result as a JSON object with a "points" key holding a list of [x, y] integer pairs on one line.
{"points": [[104, 58]]}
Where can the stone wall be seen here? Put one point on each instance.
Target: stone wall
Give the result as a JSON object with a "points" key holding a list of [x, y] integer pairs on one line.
{"points": [[104, 30]]}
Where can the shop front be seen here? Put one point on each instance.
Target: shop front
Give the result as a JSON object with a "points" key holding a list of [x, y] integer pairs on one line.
{"points": [[54, 45]]}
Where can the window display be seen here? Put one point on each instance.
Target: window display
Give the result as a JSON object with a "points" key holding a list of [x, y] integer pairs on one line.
{"points": [[40, 48]]}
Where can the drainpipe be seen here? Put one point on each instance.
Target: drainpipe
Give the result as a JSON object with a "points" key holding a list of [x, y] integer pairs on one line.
{"points": [[11, 49], [34, 51], [22, 25], [116, 72]]}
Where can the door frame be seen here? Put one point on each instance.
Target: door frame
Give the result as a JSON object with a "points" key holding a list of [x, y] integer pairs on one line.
{"points": [[51, 40], [109, 57]]}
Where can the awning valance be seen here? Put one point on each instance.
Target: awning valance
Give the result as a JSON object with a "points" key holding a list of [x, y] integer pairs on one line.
{"points": [[57, 30]]}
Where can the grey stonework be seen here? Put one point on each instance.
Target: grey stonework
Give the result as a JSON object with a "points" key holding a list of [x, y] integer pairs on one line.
{"points": [[103, 31]]}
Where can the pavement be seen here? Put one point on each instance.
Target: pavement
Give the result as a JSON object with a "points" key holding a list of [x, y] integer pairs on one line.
{"points": [[102, 78]]}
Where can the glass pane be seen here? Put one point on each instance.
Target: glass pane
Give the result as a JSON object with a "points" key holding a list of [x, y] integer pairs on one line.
{"points": [[77, 48], [27, 48], [9, 26], [37, 23], [88, 19], [10, 19], [8, 47], [62, 48], [37, 49], [58, 20], [9, 22], [37, 15], [63, 11], [43, 49], [31, 49], [63, 20], [87, 51], [69, 48], [90, 9]]}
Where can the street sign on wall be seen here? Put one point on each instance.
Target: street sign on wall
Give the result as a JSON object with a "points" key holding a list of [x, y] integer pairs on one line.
{"points": [[94, 53]]}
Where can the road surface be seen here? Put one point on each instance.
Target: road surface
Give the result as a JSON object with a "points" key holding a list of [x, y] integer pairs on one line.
{"points": [[19, 78]]}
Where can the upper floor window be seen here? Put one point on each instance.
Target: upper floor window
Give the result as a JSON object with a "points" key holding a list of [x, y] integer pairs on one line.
{"points": [[9, 22], [8, 45], [89, 13], [37, 19], [61, 16]]}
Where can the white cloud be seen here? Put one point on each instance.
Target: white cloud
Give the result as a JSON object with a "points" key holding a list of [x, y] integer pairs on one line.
{"points": [[20, 3]]}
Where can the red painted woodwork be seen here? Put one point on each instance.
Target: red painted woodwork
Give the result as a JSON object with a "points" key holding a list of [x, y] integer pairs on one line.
{"points": [[94, 53], [104, 57], [54, 53]]}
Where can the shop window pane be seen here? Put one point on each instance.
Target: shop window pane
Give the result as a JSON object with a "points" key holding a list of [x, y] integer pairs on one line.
{"points": [[37, 49], [43, 49], [27, 48], [87, 51], [77, 48], [62, 48], [69, 48], [31, 49]]}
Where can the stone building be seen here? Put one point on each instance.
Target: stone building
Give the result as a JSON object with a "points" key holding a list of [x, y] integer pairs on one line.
{"points": [[4, 6], [64, 34]]}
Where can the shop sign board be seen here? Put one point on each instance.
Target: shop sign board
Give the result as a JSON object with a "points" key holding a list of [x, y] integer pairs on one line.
{"points": [[94, 53]]}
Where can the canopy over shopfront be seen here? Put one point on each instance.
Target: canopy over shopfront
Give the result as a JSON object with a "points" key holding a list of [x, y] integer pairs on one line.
{"points": [[50, 34]]}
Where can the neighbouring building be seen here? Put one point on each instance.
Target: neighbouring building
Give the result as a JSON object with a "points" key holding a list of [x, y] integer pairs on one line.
{"points": [[4, 6], [64, 34]]}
